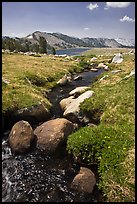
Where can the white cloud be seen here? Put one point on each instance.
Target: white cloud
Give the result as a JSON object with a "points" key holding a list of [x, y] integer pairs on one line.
{"points": [[106, 8], [92, 6], [126, 18], [118, 4], [86, 28]]}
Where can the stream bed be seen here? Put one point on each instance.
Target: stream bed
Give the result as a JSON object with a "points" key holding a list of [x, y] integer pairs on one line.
{"points": [[36, 177]]}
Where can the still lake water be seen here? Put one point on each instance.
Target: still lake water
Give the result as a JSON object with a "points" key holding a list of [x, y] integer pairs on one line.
{"points": [[72, 51]]}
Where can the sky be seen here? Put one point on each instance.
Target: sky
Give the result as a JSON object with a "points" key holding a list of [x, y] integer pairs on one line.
{"points": [[77, 19]]}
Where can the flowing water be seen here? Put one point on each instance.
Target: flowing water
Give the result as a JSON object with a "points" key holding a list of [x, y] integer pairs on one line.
{"points": [[36, 177]]}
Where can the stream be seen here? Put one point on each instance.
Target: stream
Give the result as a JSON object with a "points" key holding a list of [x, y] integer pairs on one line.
{"points": [[36, 177]]}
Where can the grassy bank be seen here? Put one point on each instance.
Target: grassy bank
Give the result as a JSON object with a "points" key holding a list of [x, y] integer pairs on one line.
{"points": [[110, 144], [30, 77]]}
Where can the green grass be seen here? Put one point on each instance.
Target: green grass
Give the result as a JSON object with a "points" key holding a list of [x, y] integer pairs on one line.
{"points": [[29, 77], [110, 143]]}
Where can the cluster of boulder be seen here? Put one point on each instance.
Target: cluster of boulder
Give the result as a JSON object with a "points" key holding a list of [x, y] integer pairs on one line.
{"points": [[52, 135], [70, 105], [49, 137]]}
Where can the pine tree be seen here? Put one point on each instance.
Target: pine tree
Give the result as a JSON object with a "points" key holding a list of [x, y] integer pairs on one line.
{"points": [[42, 45], [53, 51]]}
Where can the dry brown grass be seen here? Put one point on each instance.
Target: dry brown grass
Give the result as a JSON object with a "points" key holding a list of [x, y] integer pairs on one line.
{"points": [[15, 65]]}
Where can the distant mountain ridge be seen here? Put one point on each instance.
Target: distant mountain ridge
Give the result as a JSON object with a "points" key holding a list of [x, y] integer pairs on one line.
{"points": [[62, 41], [122, 41]]}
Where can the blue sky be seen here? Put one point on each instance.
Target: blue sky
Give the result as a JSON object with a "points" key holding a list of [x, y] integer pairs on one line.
{"points": [[79, 19]]}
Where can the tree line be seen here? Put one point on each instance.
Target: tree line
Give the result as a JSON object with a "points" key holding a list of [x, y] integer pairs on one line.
{"points": [[23, 45]]}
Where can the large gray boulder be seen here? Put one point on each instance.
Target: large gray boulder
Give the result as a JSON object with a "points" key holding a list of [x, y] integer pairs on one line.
{"points": [[51, 134], [118, 58], [84, 181], [72, 110], [21, 137]]}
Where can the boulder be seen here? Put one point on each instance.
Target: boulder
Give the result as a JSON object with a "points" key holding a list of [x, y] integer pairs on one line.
{"points": [[72, 110], [101, 65], [116, 71], [36, 113], [5, 81], [84, 181], [131, 52], [93, 59], [94, 69], [78, 90], [21, 137], [51, 134], [65, 102], [118, 58], [64, 80], [104, 77], [79, 77], [106, 68], [132, 73]]}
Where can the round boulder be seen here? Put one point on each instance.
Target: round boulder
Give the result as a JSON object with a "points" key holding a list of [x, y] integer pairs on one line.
{"points": [[21, 137], [53, 133], [65, 102], [84, 181]]}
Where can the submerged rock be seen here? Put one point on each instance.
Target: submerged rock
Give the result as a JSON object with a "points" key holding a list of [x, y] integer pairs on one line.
{"points": [[51, 134]]}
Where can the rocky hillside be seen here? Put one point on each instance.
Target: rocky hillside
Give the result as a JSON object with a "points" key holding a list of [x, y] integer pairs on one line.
{"points": [[125, 42], [102, 42], [52, 40], [61, 41]]}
